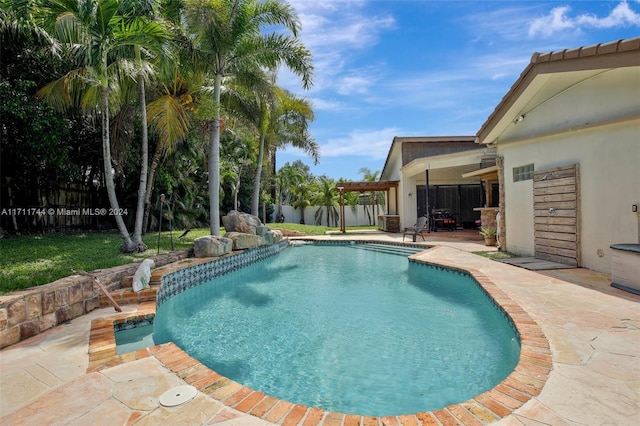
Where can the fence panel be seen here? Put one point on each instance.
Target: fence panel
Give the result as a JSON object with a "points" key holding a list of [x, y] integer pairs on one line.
{"points": [[358, 216]]}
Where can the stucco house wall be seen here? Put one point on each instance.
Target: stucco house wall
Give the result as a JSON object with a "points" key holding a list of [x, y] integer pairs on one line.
{"points": [[609, 159], [585, 110]]}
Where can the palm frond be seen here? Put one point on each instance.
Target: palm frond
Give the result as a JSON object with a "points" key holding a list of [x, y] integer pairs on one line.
{"points": [[170, 117]]}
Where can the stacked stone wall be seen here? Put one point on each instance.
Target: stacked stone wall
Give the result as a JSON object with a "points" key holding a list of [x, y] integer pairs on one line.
{"points": [[29, 312]]}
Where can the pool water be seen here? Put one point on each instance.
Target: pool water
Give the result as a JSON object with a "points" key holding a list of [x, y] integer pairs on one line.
{"points": [[132, 339], [344, 329]]}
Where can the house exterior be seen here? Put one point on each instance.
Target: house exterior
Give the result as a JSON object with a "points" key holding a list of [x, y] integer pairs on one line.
{"points": [[436, 162], [567, 137], [565, 143]]}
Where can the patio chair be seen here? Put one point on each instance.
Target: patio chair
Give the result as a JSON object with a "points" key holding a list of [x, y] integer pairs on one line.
{"points": [[419, 228]]}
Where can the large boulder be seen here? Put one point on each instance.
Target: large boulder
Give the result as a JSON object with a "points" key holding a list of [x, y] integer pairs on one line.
{"points": [[212, 246], [272, 237], [245, 223], [242, 241]]}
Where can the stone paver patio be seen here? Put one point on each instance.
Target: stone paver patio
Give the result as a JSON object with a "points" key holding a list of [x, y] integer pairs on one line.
{"points": [[593, 332]]}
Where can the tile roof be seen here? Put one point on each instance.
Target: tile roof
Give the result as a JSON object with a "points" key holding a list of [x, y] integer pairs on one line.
{"points": [[625, 52], [585, 51]]}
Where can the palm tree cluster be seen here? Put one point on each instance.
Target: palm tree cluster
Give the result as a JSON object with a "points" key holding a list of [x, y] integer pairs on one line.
{"points": [[296, 186], [181, 82]]}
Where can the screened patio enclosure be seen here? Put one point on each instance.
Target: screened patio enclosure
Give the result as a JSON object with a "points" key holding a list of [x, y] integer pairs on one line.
{"points": [[450, 194]]}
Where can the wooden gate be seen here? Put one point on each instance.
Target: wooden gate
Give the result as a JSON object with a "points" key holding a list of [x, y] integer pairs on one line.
{"points": [[556, 203]]}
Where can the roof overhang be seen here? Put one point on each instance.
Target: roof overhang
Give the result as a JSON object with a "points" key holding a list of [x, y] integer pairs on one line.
{"points": [[551, 73], [395, 150], [464, 158], [488, 172]]}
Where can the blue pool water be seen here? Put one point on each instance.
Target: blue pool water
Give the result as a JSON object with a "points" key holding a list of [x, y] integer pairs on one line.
{"points": [[134, 338], [346, 329]]}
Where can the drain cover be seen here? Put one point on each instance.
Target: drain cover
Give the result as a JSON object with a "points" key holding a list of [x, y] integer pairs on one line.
{"points": [[178, 395]]}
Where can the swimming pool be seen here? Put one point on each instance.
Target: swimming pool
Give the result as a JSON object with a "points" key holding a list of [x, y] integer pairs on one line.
{"points": [[346, 329]]}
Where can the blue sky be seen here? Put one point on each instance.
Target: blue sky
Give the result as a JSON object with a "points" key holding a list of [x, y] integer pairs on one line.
{"points": [[427, 68]]}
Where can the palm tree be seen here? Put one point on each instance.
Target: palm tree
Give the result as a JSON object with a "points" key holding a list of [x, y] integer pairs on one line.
{"points": [[288, 177], [132, 10], [174, 95], [229, 38], [277, 116], [291, 127], [18, 26], [302, 194], [238, 148], [98, 38], [327, 198], [302, 191], [170, 115], [374, 198], [253, 98]]}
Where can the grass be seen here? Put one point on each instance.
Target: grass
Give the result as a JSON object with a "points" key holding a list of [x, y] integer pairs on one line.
{"points": [[40, 259], [494, 254], [314, 229], [35, 260]]}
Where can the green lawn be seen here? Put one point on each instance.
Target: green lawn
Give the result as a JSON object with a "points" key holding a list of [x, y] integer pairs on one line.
{"points": [[494, 254], [36, 260]]}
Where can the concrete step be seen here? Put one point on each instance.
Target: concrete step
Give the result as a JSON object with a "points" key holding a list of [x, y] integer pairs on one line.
{"points": [[126, 296]]}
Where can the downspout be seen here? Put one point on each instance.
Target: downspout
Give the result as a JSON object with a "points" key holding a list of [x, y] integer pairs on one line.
{"points": [[502, 243]]}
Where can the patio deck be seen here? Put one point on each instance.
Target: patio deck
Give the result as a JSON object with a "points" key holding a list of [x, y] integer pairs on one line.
{"points": [[593, 330]]}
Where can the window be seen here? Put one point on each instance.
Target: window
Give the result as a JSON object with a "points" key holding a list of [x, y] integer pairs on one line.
{"points": [[523, 173]]}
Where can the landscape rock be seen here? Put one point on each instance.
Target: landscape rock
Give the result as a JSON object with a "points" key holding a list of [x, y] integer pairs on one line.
{"points": [[290, 232], [245, 223], [273, 237], [242, 241], [212, 246], [262, 230]]}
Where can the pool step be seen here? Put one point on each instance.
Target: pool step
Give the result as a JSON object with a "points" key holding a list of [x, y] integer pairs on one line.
{"points": [[390, 249], [125, 294], [127, 282]]}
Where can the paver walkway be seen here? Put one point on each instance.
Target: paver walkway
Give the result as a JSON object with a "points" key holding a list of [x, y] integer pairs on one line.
{"points": [[593, 330]]}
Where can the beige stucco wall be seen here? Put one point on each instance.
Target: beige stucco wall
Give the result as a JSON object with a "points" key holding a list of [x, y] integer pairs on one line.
{"points": [[609, 159], [590, 118]]}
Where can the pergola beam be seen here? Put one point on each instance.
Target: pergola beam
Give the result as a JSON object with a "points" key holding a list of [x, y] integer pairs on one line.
{"points": [[380, 186], [367, 186]]}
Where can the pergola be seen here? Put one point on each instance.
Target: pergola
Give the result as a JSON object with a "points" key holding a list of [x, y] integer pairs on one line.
{"points": [[378, 186]]}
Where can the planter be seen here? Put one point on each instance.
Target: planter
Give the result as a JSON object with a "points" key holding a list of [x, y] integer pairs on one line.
{"points": [[490, 241]]}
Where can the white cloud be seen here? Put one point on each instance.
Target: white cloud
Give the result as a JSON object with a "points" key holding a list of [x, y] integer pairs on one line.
{"points": [[559, 20], [334, 32], [362, 143], [493, 26], [355, 83], [320, 104], [622, 15]]}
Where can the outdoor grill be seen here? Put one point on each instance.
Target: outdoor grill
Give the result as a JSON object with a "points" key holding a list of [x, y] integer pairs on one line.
{"points": [[442, 219]]}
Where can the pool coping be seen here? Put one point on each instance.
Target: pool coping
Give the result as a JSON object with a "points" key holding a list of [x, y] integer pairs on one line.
{"points": [[522, 384]]}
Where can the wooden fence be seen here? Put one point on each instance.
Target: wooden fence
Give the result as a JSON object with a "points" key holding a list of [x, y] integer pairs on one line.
{"points": [[52, 209]]}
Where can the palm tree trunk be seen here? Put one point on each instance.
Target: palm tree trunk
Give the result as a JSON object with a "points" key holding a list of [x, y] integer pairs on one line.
{"points": [[127, 245], [155, 162], [214, 162], [236, 189], [273, 172], [256, 182], [142, 188]]}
